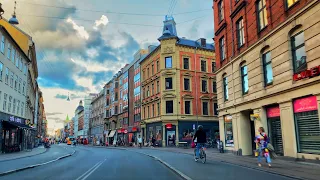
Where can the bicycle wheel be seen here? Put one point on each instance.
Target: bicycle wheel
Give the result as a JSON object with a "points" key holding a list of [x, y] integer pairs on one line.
{"points": [[203, 156]]}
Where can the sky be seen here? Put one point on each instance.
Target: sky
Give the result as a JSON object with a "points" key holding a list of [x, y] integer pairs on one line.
{"points": [[81, 44]]}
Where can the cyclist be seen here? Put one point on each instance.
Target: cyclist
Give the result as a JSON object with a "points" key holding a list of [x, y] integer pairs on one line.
{"points": [[201, 140]]}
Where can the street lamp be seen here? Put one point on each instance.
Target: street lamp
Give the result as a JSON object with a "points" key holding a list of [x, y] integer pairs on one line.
{"points": [[1, 11], [14, 19]]}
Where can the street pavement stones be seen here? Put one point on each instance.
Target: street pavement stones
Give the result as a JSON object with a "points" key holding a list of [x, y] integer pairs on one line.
{"points": [[54, 153], [22, 154]]}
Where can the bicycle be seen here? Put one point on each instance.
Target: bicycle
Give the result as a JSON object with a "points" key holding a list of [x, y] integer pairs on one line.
{"points": [[203, 155]]}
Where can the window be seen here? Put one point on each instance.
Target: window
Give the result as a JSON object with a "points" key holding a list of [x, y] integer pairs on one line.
{"points": [[158, 68], [23, 88], [22, 107], [240, 32], [213, 66], [13, 56], [14, 106], [152, 69], [289, 3], [152, 89], [203, 65], [6, 78], [262, 14], [169, 107], [222, 49], [267, 68], [2, 44], [168, 62], [1, 70], [144, 112], [18, 107], [148, 111], [21, 64], [298, 52], [168, 83], [204, 86], [153, 114], [244, 78], [158, 86], [16, 82], [11, 78], [148, 71], [4, 108], [10, 102], [186, 84], [185, 63], [205, 108], [215, 109], [225, 88], [214, 87], [187, 107], [148, 91], [17, 60], [158, 108], [220, 10], [9, 51], [25, 69], [228, 131]]}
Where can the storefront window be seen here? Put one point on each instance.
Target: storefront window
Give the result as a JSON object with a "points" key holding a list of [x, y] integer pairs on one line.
{"points": [[228, 131], [159, 133]]}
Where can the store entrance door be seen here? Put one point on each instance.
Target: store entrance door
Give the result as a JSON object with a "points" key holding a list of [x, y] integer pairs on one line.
{"points": [[276, 135]]}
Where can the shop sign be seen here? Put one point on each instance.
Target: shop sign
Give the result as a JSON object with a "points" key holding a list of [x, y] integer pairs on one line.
{"points": [[125, 131], [273, 112], [134, 129], [168, 126], [15, 119], [305, 104], [315, 71]]}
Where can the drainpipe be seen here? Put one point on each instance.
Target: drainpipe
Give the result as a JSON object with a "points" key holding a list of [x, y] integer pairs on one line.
{"points": [[196, 84]]}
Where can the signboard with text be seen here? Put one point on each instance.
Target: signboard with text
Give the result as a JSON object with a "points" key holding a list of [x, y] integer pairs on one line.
{"points": [[305, 104], [273, 112], [309, 73], [16, 119]]}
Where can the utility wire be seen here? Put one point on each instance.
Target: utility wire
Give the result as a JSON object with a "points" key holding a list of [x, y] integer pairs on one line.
{"points": [[173, 7], [112, 12]]}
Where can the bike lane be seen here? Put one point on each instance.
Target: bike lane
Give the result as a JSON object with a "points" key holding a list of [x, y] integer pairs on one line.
{"points": [[210, 170]]}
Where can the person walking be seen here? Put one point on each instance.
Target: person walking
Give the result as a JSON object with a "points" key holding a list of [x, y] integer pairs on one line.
{"points": [[262, 141], [153, 140], [140, 141]]}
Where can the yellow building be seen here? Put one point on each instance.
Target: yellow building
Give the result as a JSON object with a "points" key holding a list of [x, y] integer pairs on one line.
{"points": [[178, 89]]}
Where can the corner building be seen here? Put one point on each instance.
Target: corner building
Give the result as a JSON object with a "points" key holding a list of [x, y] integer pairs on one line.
{"points": [[268, 74], [178, 89]]}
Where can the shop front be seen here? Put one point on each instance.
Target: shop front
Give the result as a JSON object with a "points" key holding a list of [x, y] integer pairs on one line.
{"points": [[16, 135], [187, 129], [154, 130], [274, 128], [228, 129], [170, 135], [307, 125]]}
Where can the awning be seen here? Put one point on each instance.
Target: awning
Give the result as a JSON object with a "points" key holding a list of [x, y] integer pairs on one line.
{"points": [[15, 124], [112, 133]]}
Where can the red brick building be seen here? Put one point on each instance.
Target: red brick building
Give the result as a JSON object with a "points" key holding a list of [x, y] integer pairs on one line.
{"points": [[267, 74]]}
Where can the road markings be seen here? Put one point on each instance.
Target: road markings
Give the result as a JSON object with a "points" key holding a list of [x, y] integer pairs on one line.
{"points": [[91, 170]]}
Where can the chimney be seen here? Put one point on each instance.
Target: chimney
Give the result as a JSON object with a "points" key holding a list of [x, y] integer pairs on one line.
{"points": [[202, 42]]}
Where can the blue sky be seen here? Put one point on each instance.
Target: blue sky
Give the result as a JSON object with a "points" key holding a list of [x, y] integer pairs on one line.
{"points": [[81, 46]]}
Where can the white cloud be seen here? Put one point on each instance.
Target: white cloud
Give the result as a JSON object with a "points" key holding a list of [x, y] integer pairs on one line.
{"points": [[102, 21], [80, 29], [92, 53]]}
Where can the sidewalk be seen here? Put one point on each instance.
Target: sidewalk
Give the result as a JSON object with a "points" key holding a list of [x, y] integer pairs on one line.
{"points": [[283, 167], [22, 154]]}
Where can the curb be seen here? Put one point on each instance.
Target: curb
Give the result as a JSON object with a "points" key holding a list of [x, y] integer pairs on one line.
{"points": [[36, 165], [179, 173], [24, 156]]}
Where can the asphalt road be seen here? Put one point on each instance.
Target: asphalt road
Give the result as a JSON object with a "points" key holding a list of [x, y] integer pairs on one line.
{"points": [[98, 163], [92, 163]]}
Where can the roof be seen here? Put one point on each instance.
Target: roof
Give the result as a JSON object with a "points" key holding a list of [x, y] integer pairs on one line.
{"points": [[192, 43], [79, 108], [15, 42], [149, 54]]}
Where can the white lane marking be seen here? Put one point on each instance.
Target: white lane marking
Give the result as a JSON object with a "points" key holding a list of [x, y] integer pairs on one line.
{"points": [[91, 170]]}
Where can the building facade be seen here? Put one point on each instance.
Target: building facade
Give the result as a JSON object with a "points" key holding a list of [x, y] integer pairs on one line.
{"points": [[78, 133], [268, 74], [96, 118], [178, 89], [13, 81], [87, 113]]}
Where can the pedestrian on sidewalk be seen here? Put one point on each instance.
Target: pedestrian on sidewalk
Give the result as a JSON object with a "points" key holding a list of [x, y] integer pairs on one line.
{"points": [[153, 140], [262, 141], [140, 141]]}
